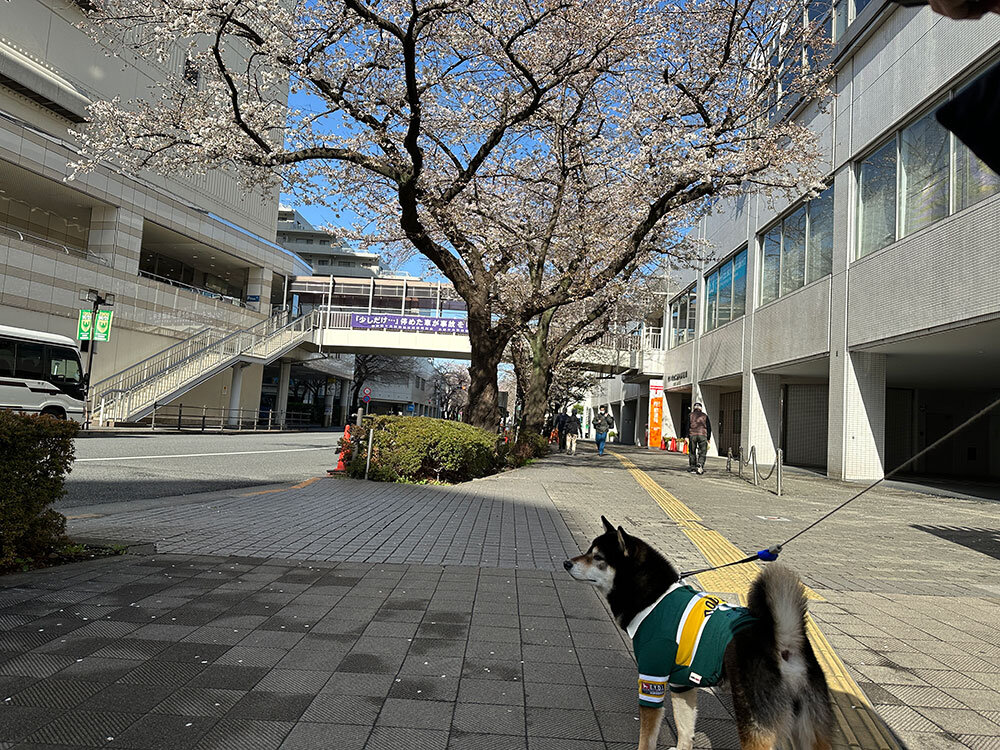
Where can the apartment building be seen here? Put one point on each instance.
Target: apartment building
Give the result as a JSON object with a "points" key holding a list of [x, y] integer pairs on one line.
{"points": [[327, 255], [854, 328], [180, 255]]}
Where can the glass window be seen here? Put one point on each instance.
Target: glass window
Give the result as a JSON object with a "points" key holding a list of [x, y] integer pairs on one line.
{"points": [[877, 191], [739, 284], [682, 311], [692, 320], [819, 247], [30, 361], [771, 252], [711, 301], [793, 251], [64, 365], [924, 161], [974, 181], [725, 312], [840, 20], [6, 358]]}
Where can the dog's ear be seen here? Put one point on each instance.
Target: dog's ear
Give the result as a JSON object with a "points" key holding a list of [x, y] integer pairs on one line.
{"points": [[623, 539], [608, 526]]}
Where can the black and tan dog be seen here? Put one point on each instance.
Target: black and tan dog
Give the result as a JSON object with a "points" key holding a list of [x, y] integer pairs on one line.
{"points": [[685, 639]]}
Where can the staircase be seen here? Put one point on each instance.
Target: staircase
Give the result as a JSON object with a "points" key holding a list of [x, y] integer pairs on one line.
{"points": [[134, 393]]}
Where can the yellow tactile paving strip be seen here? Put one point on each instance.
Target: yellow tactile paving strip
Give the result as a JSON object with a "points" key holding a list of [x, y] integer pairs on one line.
{"points": [[859, 724]]}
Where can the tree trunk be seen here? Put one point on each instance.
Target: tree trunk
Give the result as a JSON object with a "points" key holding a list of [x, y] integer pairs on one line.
{"points": [[483, 410], [488, 344], [536, 399]]}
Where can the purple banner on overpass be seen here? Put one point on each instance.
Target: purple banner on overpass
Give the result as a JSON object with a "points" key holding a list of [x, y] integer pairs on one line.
{"points": [[411, 323]]}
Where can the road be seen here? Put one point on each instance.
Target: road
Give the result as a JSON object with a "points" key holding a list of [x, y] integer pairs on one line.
{"points": [[117, 469]]}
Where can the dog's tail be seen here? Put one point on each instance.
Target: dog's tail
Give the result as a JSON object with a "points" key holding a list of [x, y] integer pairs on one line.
{"points": [[778, 598]]}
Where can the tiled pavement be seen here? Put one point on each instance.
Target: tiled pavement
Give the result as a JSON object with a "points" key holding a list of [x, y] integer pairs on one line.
{"points": [[502, 521], [378, 616]]}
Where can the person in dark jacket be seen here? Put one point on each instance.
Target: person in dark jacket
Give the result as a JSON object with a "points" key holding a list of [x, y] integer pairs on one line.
{"points": [[603, 423], [699, 432], [572, 433], [561, 420]]}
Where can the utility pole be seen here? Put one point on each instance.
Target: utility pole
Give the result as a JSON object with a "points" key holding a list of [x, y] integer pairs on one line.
{"points": [[96, 299]]}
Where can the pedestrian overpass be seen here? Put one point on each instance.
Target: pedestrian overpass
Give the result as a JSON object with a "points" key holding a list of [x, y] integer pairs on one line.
{"points": [[395, 317]]}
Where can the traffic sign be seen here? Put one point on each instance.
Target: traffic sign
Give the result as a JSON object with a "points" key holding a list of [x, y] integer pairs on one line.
{"points": [[409, 407], [367, 391], [366, 398]]}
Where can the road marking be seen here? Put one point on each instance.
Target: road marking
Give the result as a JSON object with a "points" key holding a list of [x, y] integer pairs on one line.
{"points": [[299, 486], [84, 515], [205, 455], [861, 726]]}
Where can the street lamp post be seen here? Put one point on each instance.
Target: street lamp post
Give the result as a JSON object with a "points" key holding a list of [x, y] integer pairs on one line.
{"points": [[96, 299]]}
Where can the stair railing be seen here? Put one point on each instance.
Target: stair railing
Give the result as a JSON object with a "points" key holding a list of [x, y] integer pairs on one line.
{"points": [[144, 383]]}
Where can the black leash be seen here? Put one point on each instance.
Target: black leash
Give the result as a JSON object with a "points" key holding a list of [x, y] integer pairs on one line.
{"points": [[771, 553]]}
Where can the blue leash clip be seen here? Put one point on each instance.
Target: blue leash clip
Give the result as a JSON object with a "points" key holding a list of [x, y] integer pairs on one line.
{"points": [[770, 554]]}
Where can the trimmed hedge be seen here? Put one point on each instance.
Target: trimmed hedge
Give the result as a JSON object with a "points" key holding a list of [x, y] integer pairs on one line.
{"points": [[529, 445], [35, 455], [414, 449]]}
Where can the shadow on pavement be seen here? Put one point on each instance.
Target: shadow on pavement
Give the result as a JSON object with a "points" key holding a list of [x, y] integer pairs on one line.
{"points": [[87, 492], [986, 541]]}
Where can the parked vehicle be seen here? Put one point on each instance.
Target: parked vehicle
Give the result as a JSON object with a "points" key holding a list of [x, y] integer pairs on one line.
{"points": [[41, 373]]}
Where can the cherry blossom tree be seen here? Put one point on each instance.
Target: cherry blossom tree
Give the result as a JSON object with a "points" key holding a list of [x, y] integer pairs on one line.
{"points": [[557, 345], [533, 152]]}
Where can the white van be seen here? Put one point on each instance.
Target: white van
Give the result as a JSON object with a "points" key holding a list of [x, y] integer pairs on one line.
{"points": [[41, 373]]}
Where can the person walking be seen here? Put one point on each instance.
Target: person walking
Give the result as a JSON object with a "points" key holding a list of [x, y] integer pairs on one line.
{"points": [[603, 423], [572, 433], [560, 422], [700, 432]]}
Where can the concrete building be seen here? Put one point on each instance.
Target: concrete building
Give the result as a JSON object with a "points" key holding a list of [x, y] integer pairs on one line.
{"points": [[184, 257], [853, 329], [327, 255], [409, 392]]}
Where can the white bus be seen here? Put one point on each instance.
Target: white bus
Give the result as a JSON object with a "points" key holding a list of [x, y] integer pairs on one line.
{"points": [[40, 373]]}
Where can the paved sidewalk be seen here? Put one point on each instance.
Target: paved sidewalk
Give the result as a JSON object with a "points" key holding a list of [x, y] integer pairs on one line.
{"points": [[345, 614]]}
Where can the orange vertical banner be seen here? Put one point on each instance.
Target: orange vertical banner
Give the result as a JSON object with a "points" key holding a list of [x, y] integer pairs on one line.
{"points": [[655, 413]]}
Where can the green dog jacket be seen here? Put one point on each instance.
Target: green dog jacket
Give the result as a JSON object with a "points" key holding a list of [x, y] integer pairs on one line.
{"points": [[679, 641]]}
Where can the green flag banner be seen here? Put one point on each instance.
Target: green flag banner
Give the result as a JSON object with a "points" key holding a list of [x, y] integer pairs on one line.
{"points": [[86, 329]]}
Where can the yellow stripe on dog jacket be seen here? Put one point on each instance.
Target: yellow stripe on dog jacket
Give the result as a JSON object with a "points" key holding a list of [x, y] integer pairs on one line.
{"points": [[680, 639]]}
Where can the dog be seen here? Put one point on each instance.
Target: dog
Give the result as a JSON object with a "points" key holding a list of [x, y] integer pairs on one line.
{"points": [[685, 639]]}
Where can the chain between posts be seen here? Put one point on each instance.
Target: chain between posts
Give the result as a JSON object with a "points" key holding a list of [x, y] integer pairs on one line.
{"points": [[755, 476]]}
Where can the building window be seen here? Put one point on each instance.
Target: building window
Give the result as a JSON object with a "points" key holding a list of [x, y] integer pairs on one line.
{"points": [[877, 193], [845, 12], [799, 249], [924, 174], [323, 262], [191, 73], [974, 181], [907, 184], [682, 317], [726, 291]]}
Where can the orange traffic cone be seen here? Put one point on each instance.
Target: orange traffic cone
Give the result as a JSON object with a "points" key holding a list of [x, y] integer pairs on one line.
{"points": [[340, 455]]}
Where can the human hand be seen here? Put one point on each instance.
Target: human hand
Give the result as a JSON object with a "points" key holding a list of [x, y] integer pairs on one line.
{"points": [[964, 9]]}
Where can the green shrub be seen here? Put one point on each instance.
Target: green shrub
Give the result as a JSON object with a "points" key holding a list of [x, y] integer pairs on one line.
{"points": [[529, 445], [413, 449], [35, 456]]}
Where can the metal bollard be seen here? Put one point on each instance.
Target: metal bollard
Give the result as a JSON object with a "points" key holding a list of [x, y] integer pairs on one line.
{"points": [[152, 421], [753, 461], [180, 408], [368, 461], [739, 462], [778, 468], [204, 411]]}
